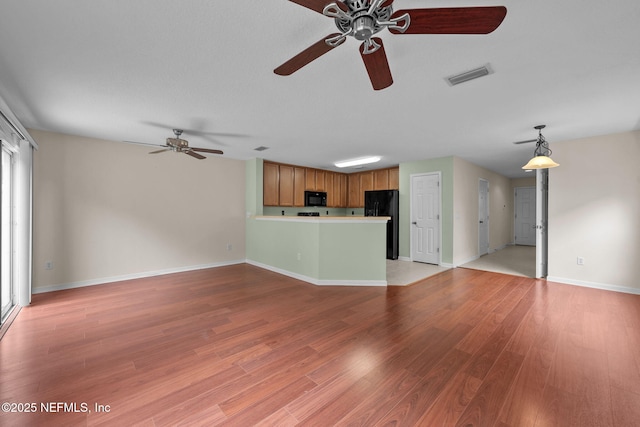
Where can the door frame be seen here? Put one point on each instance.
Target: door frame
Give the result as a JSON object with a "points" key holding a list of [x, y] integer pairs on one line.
{"points": [[9, 264], [515, 209], [411, 177], [542, 222], [488, 210]]}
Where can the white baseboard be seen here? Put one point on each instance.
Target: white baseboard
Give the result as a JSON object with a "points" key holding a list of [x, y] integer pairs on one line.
{"points": [[318, 282], [104, 280], [594, 285], [404, 258]]}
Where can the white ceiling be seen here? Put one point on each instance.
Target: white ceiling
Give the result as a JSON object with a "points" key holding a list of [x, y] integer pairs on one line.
{"points": [[132, 70]]}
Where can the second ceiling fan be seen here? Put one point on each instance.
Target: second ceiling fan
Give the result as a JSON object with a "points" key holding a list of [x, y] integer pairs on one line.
{"points": [[362, 19], [180, 145]]}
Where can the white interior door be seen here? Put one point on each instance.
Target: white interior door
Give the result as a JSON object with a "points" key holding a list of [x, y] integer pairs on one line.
{"points": [[483, 217], [525, 216], [425, 218]]}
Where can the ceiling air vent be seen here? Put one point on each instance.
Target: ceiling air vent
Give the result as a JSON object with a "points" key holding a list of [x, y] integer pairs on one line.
{"points": [[261, 148], [485, 70]]}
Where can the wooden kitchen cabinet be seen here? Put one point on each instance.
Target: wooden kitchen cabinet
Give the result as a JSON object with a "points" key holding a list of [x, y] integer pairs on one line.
{"points": [[381, 179], [310, 179], [299, 184], [366, 184], [271, 184], [342, 191], [331, 195], [285, 185], [336, 184], [353, 200], [320, 180], [394, 178]]}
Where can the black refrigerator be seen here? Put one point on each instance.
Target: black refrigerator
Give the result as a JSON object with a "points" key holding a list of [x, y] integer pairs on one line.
{"points": [[385, 203]]}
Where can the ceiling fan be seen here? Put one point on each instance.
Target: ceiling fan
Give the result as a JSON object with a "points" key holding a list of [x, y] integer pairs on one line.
{"points": [[179, 145], [362, 19]]}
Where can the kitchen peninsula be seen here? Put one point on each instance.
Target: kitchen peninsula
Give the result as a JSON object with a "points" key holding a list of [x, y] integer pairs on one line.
{"points": [[346, 250]]}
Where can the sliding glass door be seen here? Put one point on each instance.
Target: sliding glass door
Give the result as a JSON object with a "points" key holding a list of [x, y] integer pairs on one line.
{"points": [[7, 295]]}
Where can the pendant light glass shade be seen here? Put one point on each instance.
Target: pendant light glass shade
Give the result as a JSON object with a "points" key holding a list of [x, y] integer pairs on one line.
{"points": [[541, 159], [540, 162]]}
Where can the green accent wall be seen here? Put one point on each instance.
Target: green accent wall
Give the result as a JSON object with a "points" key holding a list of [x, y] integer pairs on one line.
{"points": [[444, 165], [320, 251], [254, 188]]}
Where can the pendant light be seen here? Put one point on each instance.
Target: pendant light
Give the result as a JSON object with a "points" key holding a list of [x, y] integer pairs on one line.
{"points": [[541, 159]]}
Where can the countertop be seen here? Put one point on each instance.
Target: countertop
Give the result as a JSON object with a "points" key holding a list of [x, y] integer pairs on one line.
{"points": [[325, 219]]}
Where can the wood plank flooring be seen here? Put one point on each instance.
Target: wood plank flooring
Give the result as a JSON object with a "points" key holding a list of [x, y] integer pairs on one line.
{"points": [[243, 346]]}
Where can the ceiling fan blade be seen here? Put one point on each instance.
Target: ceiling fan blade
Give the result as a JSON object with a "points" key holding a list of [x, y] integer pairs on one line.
{"points": [[194, 154], [526, 142], [319, 5], [452, 20], [190, 131], [377, 65], [206, 150], [160, 151], [311, 53], [144, 143]]}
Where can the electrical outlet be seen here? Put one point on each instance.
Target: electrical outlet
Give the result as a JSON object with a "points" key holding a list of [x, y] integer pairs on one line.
{"points": [[580, 260], [229, 247], [299, 256], [48, 265]]}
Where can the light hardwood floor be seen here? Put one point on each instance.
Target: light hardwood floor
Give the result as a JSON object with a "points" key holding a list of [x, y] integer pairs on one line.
{"points": [[242, 346]]}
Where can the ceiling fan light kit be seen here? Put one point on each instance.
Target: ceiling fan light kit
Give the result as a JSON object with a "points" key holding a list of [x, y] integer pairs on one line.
{"points": [[541, 159], [362, 19]]}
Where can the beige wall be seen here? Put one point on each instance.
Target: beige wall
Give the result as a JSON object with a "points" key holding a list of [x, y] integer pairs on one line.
{"points": [[107, 210], [594, 212], [466, 177]]}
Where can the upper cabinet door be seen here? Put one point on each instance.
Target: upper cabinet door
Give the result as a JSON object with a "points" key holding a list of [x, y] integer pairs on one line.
{"points": [[271, 184], [381, 179], [310, 180], [394, 178], [366, 184], [286, 185], [320, 180], [353, 200], [299, 183]]}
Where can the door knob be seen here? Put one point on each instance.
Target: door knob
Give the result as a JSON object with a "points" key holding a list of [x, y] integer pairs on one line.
{"points": [[414, 223]]}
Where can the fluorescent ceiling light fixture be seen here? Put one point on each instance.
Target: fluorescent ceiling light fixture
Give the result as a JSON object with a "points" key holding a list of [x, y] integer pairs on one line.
{"points": [[356, 162]]}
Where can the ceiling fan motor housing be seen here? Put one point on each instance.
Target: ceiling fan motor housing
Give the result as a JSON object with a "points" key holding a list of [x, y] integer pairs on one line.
{"points": [[177, 143], [361, 23]]}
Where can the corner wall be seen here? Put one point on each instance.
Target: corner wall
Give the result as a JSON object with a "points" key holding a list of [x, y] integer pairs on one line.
{"points": [[594, 212], [466, 210], [107, 211]]}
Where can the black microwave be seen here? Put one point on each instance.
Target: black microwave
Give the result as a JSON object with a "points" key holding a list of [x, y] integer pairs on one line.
{"points": [[315, 198]]}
